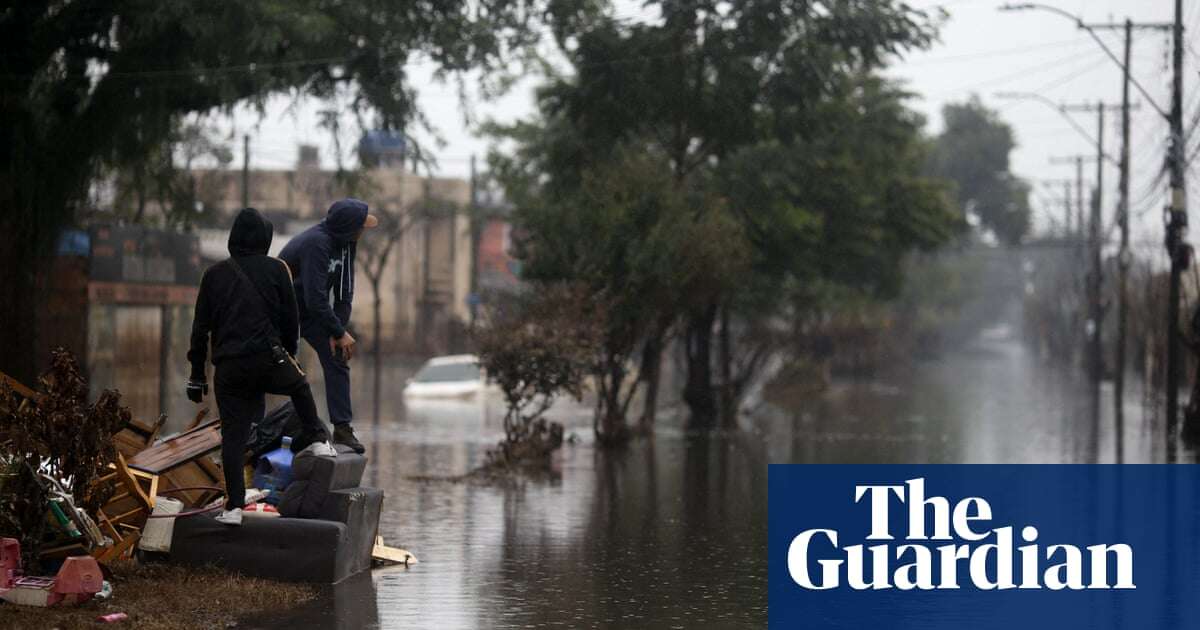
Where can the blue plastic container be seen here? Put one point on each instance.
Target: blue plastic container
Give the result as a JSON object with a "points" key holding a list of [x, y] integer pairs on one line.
{"points": [[274, 472]]}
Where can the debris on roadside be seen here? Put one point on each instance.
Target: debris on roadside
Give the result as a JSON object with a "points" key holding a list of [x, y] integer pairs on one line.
{"points": [[77, 581], [54, 446], [383, 555], [128, 491]]}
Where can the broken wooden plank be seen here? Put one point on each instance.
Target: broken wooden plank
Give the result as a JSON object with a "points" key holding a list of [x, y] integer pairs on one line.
{"points": [[180, 449], [137, 436], [20, 388], [132, 500], [391, 555], [200, 416], [215, 476], [62, 551], [104, 555], [134, 487]]}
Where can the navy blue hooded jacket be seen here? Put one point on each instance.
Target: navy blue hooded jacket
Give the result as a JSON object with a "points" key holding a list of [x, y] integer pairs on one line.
{"points": [[322, 262]]}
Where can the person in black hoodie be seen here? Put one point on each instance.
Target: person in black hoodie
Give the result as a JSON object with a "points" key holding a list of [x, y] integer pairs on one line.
{"points": [[321, 259], [247, 305]]}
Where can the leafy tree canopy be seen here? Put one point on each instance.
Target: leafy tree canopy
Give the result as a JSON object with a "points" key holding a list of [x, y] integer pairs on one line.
{"points": [[972, 151], [92, 83], [736, 149], [712, 76]]}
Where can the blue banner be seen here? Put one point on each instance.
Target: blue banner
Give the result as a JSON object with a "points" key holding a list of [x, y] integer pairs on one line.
{"points": [[984, 546]]}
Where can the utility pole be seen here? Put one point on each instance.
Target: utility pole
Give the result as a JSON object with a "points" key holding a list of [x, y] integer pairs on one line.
{"points": [[1079, 160], [476, 222], [1067, 202], [1095, 277], [1124, 257], [1068, 207], [1178, 250], [246, 171]]}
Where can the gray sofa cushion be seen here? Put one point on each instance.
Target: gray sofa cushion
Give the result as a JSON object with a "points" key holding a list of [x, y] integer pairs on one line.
{"points": [[359, 509], [285, 549], [314, 477]]}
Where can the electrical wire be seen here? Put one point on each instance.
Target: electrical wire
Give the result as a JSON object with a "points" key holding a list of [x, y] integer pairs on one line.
{"points": [[1090, 55], [1071, 76], [1002, 52]]}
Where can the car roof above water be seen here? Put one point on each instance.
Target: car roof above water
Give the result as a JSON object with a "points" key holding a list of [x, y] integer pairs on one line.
{"points": [[453, 359]]}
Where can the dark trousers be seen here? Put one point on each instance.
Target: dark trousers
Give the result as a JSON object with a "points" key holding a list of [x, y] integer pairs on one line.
{"points": [[241, 387], [337, 380]]}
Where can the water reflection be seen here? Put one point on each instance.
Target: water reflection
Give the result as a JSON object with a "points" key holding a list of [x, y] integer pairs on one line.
{"points": [[991, 402], [348, 605], [667, 533], [671, 532]]}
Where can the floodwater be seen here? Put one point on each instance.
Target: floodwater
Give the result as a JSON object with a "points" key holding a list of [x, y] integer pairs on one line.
{"points": [[672, 532]]}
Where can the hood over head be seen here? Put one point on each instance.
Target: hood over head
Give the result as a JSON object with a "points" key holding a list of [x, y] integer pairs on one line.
{"points": [[251, 234], [345, 218]]}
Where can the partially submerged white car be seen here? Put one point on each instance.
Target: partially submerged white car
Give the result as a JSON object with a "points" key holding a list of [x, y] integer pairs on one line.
{"points": [[455, 376]]}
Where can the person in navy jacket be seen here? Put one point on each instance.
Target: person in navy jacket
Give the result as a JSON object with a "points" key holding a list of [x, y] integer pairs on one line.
{"points": [[322, 262]]}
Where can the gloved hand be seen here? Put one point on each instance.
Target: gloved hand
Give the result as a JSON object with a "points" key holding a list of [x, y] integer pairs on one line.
{"points": [[197, 390]]}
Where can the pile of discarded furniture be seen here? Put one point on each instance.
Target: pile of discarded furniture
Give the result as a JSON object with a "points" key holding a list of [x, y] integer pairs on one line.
{"points": [[164, 493]]}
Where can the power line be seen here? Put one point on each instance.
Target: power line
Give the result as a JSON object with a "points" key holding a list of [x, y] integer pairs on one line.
{"points": [[1022, 73], [1067, 78], [999, 52], [1153, 143]]}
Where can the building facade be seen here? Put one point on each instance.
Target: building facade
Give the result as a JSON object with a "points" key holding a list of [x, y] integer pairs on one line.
{"points": [[425, 282], [121, 299]]}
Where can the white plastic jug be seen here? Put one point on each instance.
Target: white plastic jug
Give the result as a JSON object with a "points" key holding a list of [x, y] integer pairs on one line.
{"points": [[156, 535]]}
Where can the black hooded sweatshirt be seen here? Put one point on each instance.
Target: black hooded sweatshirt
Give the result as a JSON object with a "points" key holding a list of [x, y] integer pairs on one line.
{"points": [[232, 311]]}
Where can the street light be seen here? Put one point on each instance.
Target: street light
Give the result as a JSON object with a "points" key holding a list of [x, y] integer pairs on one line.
{"points": [[1060, 108], [1079, 23], [1025, 6]]}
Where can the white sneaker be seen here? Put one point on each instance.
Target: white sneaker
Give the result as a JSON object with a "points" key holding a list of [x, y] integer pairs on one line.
{"points": [[230, 517], [320, 449]]}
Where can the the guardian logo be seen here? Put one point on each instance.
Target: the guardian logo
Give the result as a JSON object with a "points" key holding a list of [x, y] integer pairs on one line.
{"points": [[975, 553]]}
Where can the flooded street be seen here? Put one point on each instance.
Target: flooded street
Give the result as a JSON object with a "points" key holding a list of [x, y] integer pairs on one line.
{"points": [[991, 401], [791, 255], [670, 532], [667, 533]]}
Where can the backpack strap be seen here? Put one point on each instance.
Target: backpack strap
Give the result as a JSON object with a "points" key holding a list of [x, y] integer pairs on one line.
{"points": [[263, 302]]}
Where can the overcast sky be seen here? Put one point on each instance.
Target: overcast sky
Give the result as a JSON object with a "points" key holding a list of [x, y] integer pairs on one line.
{"points": [[982, 51]]}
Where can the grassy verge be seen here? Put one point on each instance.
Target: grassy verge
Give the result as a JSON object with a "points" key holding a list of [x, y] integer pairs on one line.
{"points": [[160, 597]]}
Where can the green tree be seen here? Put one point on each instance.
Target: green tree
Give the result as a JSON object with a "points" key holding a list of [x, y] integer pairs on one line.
{"points": [[626, 233], [973, 152], [538, 346], [85, 84], [839, 206], [752, 106], [163, 175]]}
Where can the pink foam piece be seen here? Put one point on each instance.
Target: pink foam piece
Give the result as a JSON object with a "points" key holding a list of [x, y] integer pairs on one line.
{"points": [[80, 575]]}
